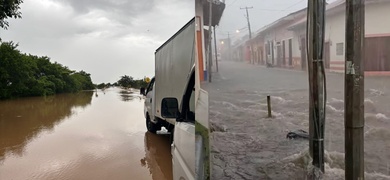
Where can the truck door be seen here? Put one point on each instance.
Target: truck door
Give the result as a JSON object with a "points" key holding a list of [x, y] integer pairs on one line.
{"points": [[149, 105], [183, 147]]}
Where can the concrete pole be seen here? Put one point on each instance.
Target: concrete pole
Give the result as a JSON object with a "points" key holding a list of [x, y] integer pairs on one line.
{"points": [[216, 51], [354, 89], [316, 32], [247, 18], [209, 59]]}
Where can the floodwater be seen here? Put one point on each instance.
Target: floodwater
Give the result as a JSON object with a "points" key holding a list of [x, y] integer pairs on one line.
{"points": [[248, 145], [80, 136]]}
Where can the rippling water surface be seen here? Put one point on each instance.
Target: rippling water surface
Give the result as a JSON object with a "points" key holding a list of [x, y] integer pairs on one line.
{"points": [[87, 135]]}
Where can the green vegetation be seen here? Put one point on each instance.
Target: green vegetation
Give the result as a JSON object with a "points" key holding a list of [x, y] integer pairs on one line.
{"points": [[129, 82], [24, 75], [126, 82], [103, 85], [9, 9], [204, 133]]}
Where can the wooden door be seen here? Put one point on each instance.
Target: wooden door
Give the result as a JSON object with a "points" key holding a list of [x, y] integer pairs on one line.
{"points": [[377, 54], [284, 53], [326, 55], [279, 55], [290, 52], [272, 53], [303, 53]]}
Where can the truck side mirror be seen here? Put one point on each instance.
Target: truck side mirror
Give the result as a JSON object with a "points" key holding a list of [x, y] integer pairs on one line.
{"points": [[169, 108], [142, 91]]}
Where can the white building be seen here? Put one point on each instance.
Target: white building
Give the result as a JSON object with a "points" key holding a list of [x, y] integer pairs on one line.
{"points": [[377, 42]]}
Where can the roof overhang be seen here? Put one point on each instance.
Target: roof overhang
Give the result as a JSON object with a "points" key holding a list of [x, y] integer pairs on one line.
{"points": [[331, 9], [217, 10], [282, 21]]}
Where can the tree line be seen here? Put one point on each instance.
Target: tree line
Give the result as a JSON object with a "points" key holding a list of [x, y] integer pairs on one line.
{"points": [[24, 75], [127, 82]]}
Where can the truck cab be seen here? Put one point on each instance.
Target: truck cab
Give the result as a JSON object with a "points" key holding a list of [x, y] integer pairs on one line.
{"points": [[183, 145], [170, 99], [151, 123]]}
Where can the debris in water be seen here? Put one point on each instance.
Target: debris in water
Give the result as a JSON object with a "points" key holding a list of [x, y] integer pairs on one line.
{"points": [[298, 134], [376, 92], [381, 116], [163, 131]]}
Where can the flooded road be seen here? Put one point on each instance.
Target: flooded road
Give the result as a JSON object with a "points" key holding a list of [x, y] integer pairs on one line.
{"points": [[80, 136], [248, 145]]}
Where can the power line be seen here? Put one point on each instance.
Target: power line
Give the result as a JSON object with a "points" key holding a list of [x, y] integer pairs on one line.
{"points": [[271, 10], [231, 3], [293, 5]]}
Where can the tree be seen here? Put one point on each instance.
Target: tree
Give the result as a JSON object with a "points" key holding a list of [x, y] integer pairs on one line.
{"points": [[84, 80], [28, 75], [101, 86], [126, 81], [9, 9]]}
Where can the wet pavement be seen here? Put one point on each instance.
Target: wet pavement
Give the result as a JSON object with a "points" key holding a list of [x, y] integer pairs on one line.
{"points": [[248, 145], [87, 135]]}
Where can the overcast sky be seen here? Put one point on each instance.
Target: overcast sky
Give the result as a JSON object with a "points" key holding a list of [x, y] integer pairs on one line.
{"points": [[263, 13], [107, 38]]}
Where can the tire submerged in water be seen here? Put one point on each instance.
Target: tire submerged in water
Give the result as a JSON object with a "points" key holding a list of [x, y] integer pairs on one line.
{"points": [[152, 127]]}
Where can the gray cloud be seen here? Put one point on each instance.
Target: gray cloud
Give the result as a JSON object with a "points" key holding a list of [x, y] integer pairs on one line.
{"points": [[130, 8], [105, 38]]}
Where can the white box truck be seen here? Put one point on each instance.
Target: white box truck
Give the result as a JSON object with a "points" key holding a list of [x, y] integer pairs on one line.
{"points": [[170, 98]]}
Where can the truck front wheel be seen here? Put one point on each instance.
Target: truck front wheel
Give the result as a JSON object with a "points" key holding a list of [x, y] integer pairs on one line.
{"points": [[152, 127]]}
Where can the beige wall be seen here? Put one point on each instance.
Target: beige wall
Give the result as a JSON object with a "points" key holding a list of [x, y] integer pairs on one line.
{"points": [[297, 42], [377, 23], [335, 33], [378, 18], [279, 34], [284, 35], [269, 36]]}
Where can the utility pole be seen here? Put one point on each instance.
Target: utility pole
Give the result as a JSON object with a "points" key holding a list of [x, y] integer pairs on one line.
{"points": [[209, 46], [317, 82], [354, 89], [247, 18], [215, 47]]}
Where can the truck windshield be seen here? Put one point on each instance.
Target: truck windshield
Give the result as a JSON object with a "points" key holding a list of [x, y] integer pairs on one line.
{"points": [[150, 86], [192, 102], [189, 100]]}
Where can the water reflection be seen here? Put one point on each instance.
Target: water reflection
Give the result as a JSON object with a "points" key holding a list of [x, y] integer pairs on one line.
{"points": [[22, 120], [157, 158], [56, 138], [129, 95]]}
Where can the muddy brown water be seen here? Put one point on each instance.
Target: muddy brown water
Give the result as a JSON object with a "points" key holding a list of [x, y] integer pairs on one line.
{"points": [[80, 136]]}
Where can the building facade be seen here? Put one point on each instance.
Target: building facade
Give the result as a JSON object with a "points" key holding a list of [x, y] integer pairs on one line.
{"points": [[283, 42]]}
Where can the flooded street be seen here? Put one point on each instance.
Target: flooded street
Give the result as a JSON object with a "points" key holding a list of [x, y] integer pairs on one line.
{"points": [[248, 145], [80, 136]]}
